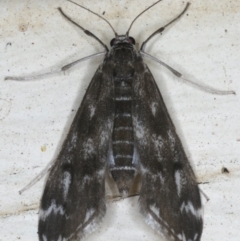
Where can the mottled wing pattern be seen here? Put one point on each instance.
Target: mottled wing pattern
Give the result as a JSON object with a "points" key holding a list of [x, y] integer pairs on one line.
{"points": [[73, 201], [169, 198]]}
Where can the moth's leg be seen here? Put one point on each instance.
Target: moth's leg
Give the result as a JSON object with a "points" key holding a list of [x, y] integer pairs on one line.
{"points": [[84, 30], [64, 68], [204, 194], [68, 66], [179, 75], [160, 30], [39, 176]]}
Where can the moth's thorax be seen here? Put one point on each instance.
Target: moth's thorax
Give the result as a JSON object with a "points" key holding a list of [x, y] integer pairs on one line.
{"points": [[122, 165], [122, 53]]}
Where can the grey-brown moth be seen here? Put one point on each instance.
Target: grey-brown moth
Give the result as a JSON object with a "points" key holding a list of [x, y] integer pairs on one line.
{"points": [[122, 128]]}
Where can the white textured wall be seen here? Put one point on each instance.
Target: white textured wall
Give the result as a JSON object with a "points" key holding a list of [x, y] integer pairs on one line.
{"points": [[35, 115]]}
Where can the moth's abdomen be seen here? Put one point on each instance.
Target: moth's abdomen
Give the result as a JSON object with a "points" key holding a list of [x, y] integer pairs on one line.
{"points": [[122, 168]]}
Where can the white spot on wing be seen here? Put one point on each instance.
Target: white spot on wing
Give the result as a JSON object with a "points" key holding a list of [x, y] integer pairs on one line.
{"points": [[56, 209], [135, 158], [91, 226], [66, 183], [195, 236], [162, 179], [180, 236], [74, 139], [189, 208], [88, 215], [86, 179], [103, 137], [72, 143], [105, 133], [154, 177], [88, 148], [177, 176], [155, 210], [140, 131], [62, 239], [171, 140], [152, 222], [92, 110], [97, 176], [144, 170], [154, 106], [184, 237], [111, 160], [158, 143], [44, 238], [101, 173]]}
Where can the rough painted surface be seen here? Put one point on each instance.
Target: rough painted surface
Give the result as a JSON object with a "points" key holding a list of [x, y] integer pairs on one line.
{"points": [[202, 46]]}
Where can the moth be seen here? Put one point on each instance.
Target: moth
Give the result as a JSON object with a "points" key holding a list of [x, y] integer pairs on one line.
{"points": [[122, 128]]}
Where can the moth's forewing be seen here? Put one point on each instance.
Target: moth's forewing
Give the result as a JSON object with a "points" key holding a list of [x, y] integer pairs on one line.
{"points": [[170, 197], [73, 201]]}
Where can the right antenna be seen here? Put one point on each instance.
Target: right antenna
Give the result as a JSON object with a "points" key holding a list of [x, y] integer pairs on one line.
{"points": [[140, 15]]}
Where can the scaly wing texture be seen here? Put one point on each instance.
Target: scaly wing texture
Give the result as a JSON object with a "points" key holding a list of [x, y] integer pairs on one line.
{"points": [[169, 198], [73, 201]]}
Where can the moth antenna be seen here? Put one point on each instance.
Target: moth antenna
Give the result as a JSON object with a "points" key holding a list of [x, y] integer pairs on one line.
{"points": [[83, 29], [140, 15], [96, 15]]}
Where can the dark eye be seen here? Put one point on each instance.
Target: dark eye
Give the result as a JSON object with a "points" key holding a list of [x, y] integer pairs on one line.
{"points": [[131, 40], [112, 42]]}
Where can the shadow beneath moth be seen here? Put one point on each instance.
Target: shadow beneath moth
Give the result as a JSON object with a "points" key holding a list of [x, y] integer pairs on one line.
{"points": [[122, 127]]}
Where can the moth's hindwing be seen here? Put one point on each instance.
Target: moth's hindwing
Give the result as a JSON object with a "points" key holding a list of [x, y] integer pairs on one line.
{"points": [[73, 201], [169, 197]]}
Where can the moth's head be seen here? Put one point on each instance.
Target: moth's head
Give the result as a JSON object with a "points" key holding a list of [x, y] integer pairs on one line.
{"points": [[122, 39], [118, 38]]}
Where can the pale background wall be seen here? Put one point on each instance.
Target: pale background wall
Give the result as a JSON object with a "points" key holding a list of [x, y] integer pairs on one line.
{"points": [[35, 115]]}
